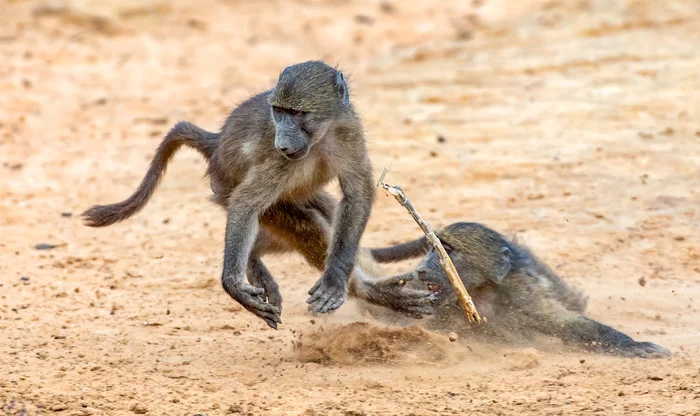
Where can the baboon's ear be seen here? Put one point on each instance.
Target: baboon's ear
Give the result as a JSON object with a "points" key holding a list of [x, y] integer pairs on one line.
{"points": [[342, 88], [502, 265]]}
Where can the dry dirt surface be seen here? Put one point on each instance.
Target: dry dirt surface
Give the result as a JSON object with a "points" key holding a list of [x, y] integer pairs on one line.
{"points": [[573, 124]]}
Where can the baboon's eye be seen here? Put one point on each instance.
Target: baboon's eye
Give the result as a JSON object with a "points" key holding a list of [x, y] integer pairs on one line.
{"points": [[277, 110], [296, 112], [448, 248]]}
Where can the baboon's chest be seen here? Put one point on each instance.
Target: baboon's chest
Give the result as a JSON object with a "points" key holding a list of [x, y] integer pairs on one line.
{"points": [[307, 178]]}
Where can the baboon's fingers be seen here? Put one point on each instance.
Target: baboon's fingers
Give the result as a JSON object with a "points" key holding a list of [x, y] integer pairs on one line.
{"points": [[270, 322], [265, 315], [269, 317], [323, 302], [316, 294], [257, 305], [416, 297], [417, 303], [251, 290], [263, 306], [313, 289], [328, 300], [419, 297], [326, 293], [338, 302]]}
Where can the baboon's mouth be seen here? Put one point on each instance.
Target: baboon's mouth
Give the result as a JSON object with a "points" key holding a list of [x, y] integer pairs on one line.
{"points": [[433, 288], [296, 155]]}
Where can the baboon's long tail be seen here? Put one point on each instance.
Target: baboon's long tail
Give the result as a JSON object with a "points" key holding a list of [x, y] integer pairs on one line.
{"points": [[401, 252], [182, 133]]}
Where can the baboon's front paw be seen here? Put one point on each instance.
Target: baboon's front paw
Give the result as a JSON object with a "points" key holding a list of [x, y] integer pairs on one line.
{"points": [[646, 350], [251, 298], [393, 293], [327, 295], [415, 303]]}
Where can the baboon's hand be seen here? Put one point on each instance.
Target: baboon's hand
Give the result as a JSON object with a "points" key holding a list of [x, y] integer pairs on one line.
{"points": [[272, 292], [644, 350], [251, 298], [327, 294], [392, 293]]}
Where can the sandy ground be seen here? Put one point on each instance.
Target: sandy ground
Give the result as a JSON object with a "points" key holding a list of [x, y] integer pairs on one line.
{"points": [[573, 124]]}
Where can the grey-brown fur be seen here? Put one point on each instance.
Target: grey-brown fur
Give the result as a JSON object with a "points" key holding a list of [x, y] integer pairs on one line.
{"points": [[520, 295], [267, 167]]}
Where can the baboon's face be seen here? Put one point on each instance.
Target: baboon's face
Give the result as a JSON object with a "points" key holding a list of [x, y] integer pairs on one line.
{"points": [[307, 99], [432, 273], [478, 254], [292, 135]]}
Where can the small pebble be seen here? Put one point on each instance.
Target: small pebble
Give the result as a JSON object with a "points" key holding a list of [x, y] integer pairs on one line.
{"points": [[45, 246], [364, 19], [66, 214], [642, 281], [387, 7], [235, 408], [441, 139], [452, 337], [139, 409]]}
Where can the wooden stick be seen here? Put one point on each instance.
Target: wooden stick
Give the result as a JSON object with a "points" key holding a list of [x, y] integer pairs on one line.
{"points": [[464, 299]]}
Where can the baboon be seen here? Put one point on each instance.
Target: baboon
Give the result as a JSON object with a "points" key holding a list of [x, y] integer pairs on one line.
{"points": [[267, 167], [520, 295]]}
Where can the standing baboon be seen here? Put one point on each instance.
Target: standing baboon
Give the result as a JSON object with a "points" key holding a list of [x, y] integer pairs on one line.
{"points": [[267, 167], [520, 295]]}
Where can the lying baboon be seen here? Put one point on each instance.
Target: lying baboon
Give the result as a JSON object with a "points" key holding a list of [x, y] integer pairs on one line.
{"points": [[267, 168], [520, 295]]}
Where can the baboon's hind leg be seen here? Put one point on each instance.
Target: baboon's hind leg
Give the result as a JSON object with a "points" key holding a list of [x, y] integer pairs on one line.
{"points": [[537, 309]]}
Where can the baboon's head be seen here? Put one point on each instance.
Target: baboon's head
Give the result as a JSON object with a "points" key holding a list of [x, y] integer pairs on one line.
{"points": [[479, 254], [307, 98]]}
